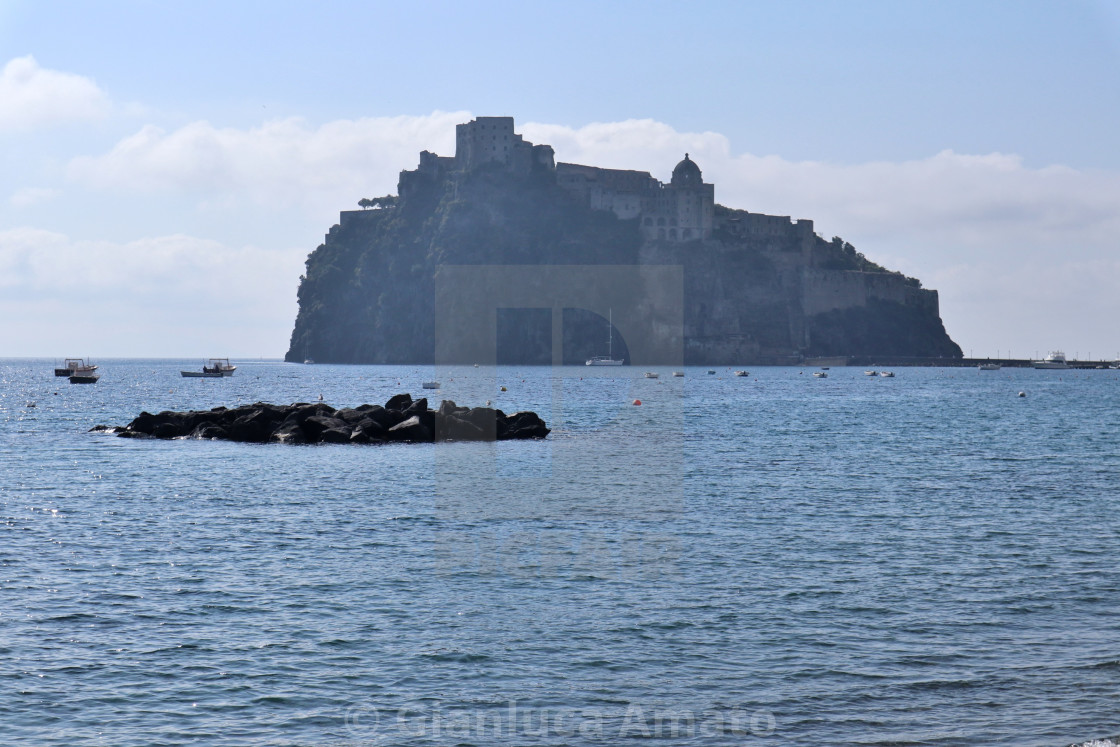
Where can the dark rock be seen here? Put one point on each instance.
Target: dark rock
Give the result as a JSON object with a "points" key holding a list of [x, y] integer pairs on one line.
{"points": [[526, 425], [351, 416], [417, 407], [289, 432], [372, 429], [411, 430], [335, 435], [452, 428], [385, 418], [254, 427], [145, 423], [316, 424], [399, 402], [209, 431], [167, 429]]}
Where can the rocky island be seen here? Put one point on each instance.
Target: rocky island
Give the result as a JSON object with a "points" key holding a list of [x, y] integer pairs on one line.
{"points": [[753, 288]]}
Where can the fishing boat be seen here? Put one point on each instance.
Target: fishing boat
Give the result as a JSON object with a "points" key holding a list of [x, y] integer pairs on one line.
{"points": [[820, 375], [678, 373], [216, 368], [652, 375], [1056, 360], [886, 374], [870, 373], [742, 373], [430, 385], [87, 377], [608, 359], [73, 366], [989, 366]]}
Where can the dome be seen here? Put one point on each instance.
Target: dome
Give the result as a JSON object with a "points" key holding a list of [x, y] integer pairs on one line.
{"points": [[687, 174]]}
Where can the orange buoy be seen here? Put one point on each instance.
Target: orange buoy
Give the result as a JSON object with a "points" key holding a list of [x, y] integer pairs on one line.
{"points": [[637, 402]]}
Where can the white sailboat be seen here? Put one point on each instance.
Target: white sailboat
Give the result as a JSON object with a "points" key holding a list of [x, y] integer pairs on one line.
{"points": [[608, 359]]}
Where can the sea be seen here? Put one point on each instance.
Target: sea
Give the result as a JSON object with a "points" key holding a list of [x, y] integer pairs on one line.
{"points": [[770, 559]]}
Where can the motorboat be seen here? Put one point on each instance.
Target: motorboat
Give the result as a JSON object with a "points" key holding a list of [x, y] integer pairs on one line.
{"points": [[886, 374], [820, 375], [73, 366], [1056, 360], [711, 372], [608, 359], [989, 366], [870, 373], [84, 378], [678, 373], [430, 385], [652, 375], [742, 373]]}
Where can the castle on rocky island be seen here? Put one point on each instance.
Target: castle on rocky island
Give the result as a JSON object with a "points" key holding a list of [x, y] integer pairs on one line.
{"points": [[755, 288]]}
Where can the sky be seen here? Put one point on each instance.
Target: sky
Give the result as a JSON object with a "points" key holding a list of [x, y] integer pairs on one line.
{"points": [[166, 168]]}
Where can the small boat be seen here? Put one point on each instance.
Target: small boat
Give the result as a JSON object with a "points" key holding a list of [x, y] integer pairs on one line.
{"points": [[651, 375], [608, 359], [84, 378], [678, 373], [1056, 360], [216, 368], [221, 365], [820, 374], [742, 373], [824, 368], [307, 361], [430, 385], [887, 374], [73, 366], [989, 367], [870, 373], [711, 372]]}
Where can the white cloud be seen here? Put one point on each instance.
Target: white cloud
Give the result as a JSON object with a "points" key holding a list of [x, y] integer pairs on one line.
{"points": [[283, 163], [28, 196], [32, 96], [241, 297]]}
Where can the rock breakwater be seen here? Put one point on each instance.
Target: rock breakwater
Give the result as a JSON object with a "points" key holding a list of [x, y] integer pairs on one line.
{"points": [[400, 419]]}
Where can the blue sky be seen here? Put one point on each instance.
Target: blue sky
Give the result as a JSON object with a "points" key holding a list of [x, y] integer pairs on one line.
{"points": [[170, 165]]}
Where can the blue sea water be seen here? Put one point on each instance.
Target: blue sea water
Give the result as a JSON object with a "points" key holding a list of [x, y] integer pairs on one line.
{"points": [[768, 560]]}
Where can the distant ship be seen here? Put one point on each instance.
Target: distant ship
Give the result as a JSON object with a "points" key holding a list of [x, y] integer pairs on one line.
{"points": [[1057, 359], [608, 359]]}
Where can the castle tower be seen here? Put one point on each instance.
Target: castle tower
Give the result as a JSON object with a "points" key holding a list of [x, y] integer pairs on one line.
{"points": [[683, 209]]}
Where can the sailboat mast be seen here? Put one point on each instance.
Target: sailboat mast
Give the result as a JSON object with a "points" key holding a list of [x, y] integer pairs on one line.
{"points": [[610, 335]]}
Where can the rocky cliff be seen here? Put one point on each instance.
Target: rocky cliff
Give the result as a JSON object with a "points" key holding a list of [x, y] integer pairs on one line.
{"points": [[754, 289]]}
